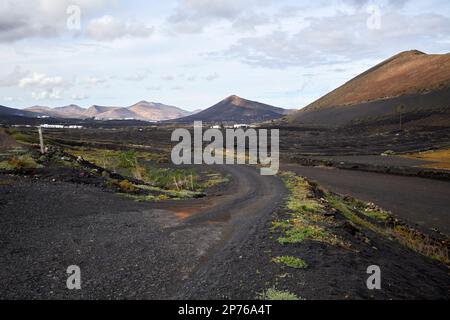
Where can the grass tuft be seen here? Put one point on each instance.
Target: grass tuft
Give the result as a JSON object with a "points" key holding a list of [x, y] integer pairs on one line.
{"points": [[307, 220], [274, 294], [292, 262]]}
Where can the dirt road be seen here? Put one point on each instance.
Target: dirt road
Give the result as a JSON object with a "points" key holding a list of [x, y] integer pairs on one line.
{"points": [[125, 249], [416, 200]]}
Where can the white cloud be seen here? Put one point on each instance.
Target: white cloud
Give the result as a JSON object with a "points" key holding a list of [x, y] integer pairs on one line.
{"points": [[51, 94], [193, 16], [138, 76], [168, 78], [212, 77], [78, 96], [40, 80], [21, 19], [154, 88], [109, 28], [341, 38], [13, 78], [90, 82]]}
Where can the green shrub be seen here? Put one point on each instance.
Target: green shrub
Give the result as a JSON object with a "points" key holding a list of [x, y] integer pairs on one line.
{"points": [[127, 159]]}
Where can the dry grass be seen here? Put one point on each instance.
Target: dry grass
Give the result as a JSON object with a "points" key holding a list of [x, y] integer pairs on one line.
{"points": [[440, 158], [307, 221], [405, 235], [421, 243]]}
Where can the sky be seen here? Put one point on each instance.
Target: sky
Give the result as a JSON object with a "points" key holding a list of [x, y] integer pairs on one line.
{"points": [[194, 53]]}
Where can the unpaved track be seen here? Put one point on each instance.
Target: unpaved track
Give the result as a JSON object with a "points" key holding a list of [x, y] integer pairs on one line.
{"points": [[125, 249]]}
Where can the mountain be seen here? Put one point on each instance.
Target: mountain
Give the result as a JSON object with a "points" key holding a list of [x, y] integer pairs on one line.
{"points": [[156, 111], [116, 114], [70, 111], [6, 111], [238, 110], [412, 79], [94, 111], [39, 109], [143, 110]]}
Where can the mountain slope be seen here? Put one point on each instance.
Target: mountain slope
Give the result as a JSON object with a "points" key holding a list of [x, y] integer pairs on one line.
{"points": [[70, 111], [94, 111], [115, 114], [413, 79], [147, 111], [156, 111], [6, 111], [236, 109]]}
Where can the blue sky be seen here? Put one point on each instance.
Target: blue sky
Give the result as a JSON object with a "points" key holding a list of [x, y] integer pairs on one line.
{"points": [[193, 53]]}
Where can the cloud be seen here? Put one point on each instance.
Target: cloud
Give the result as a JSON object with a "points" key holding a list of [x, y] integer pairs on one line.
{"points": [[212, 77], [40, 80], [154, 88], [13, 78], [140, 76], [193, 16], [341, 38], [79, 96], [47, 87], [109, 28], [22, 19], [359, 4], [16, 28], [91, 82], [52, 94], [168, 78]]}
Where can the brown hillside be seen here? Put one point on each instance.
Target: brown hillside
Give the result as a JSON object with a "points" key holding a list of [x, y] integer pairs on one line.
{"points": [[407, 73], [413, 79]]}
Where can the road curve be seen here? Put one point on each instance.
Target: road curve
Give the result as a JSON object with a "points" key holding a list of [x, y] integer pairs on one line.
{"points": [[125, 249]]}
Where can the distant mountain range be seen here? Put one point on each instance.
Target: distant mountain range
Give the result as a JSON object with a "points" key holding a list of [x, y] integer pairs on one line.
{"points": [[412, 80], [143, 110], [232, 109], [237, 110]]}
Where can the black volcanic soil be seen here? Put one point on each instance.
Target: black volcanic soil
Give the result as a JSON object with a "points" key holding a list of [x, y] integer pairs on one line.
{"points": [[220, 246], [125, 249], [359, 140], [332, 273]]}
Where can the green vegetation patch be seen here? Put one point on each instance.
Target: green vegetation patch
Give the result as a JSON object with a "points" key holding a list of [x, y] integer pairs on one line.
{"points": [[24, 137], [307, 219], [17, 159], [274, 294], [290, 261], [214, 179], [145, 166]]}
